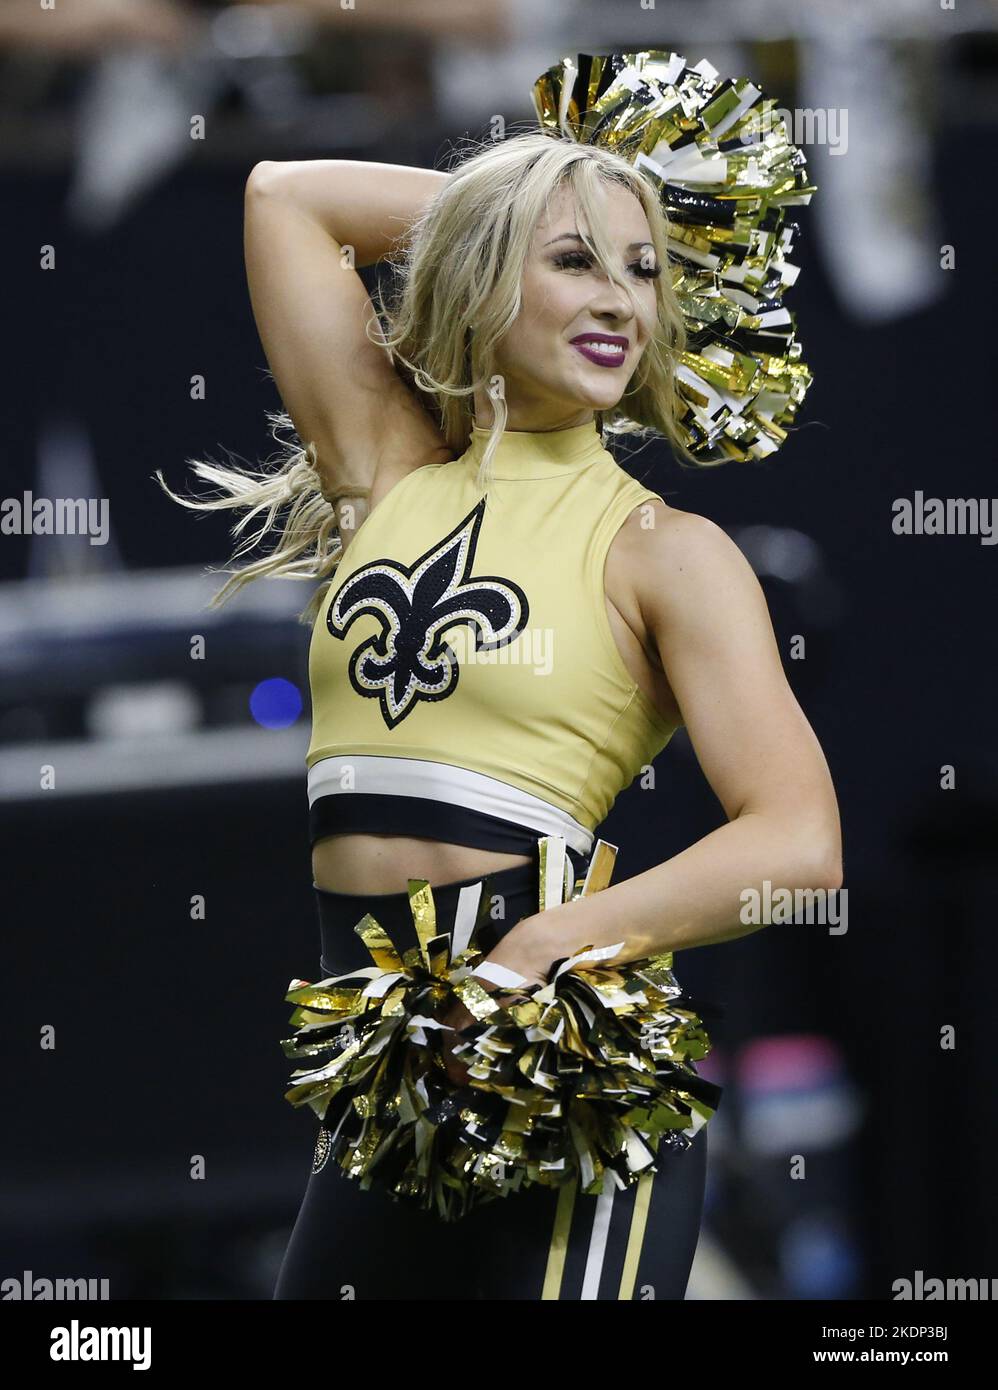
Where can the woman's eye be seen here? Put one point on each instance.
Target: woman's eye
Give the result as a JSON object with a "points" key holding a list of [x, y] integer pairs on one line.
{"points": [[572, 260], [579, 260]]}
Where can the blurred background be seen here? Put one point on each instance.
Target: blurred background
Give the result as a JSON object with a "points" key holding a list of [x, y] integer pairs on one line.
{"points": [[142, 769]]}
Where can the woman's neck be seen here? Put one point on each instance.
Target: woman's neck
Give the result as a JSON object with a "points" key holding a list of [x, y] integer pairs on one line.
{"points": [[535, 421]]}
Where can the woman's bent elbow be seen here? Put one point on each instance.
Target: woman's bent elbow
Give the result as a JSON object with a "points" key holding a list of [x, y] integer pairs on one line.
{"points": [[818, 865], [828, 874]]}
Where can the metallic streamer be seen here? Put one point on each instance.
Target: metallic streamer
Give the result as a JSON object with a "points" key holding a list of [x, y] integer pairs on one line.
{"points": [[588, 1073], [725, 171]]}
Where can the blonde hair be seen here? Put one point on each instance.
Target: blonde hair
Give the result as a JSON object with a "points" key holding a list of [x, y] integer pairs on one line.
{"points": [[458, 279]]}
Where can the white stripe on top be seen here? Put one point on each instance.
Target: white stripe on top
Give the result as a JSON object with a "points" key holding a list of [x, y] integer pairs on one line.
{"points": [[381, 775]]}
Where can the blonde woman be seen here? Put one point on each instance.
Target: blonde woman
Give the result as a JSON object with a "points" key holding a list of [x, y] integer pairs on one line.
{"points": [[513, 629]]}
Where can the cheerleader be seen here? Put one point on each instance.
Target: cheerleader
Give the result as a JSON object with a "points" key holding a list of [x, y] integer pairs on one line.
{"points": [[511, 628]]}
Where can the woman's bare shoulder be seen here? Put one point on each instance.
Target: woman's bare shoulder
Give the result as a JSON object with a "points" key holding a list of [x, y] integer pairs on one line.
{"points": [[666, 553]]}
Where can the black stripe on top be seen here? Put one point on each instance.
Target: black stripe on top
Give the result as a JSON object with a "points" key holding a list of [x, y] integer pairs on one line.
{"points": [[383, 814]]}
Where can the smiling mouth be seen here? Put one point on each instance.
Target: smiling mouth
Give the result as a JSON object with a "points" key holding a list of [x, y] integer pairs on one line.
{"points": [[603, 353]]}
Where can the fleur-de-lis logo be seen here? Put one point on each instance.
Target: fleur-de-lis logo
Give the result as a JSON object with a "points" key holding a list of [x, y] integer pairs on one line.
{"points": [[409, 660]]}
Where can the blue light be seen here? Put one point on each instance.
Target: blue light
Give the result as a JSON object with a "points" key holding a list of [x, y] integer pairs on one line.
{"points": [[819, 1257], [275, 703]]}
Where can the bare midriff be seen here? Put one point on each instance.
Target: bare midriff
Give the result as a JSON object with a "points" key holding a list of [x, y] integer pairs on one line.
{"points": [[369, 863]]}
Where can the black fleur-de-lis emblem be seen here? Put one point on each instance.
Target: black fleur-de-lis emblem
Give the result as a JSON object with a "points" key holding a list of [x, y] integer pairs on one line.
{"points": [[409, 660]]}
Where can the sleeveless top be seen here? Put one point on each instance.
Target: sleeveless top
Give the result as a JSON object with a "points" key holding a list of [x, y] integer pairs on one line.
{"points": [[465, 682]]}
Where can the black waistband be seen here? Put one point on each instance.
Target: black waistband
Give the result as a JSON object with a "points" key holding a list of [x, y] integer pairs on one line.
{"points": [[515, 894], [381, 814]]}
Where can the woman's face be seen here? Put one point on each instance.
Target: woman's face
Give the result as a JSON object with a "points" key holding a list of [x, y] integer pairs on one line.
{"points": [[577, 339]]}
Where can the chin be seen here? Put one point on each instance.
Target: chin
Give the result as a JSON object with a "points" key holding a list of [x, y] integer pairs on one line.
{"points": [[580, 393], [595, 399], [598, 389]]}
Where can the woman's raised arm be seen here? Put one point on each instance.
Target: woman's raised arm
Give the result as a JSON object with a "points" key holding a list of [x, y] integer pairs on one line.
{"points": [[309, 225]]}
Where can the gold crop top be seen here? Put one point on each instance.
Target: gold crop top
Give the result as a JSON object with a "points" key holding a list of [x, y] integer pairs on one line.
{"points": [[465, 682]]}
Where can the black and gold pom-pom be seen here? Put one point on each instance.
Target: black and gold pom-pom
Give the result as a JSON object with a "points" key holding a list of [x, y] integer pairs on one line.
{"points": [[591, 1072], [725, 171]]}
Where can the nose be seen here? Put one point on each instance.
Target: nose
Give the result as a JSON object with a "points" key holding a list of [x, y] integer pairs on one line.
{"points": [[611, 301]]}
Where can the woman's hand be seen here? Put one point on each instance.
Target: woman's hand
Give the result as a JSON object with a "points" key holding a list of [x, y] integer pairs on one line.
{"points": [[456, 1017], [521, 952]]}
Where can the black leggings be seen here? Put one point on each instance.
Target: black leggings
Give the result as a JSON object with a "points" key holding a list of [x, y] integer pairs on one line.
{"points": [[538, 1243]]}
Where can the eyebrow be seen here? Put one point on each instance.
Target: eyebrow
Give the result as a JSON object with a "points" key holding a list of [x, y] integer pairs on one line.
{"points": [[574, 236]]}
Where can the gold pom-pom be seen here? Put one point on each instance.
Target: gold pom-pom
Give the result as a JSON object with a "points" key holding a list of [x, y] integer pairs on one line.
{"points": [[591, 1072], [725, 170]]}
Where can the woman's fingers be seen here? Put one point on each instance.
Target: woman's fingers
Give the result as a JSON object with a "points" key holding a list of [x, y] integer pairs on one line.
{"points": [[458, 1017]]}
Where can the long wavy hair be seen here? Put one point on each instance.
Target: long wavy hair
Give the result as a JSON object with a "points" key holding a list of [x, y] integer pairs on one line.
{"points": [[456, 289]]}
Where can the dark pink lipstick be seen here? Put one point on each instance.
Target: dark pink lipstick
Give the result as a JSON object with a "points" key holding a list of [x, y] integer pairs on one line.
{"points": [[605, 349]]}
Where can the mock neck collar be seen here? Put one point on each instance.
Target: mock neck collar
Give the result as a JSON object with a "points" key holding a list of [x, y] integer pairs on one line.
{"points": [[538, 453]]}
